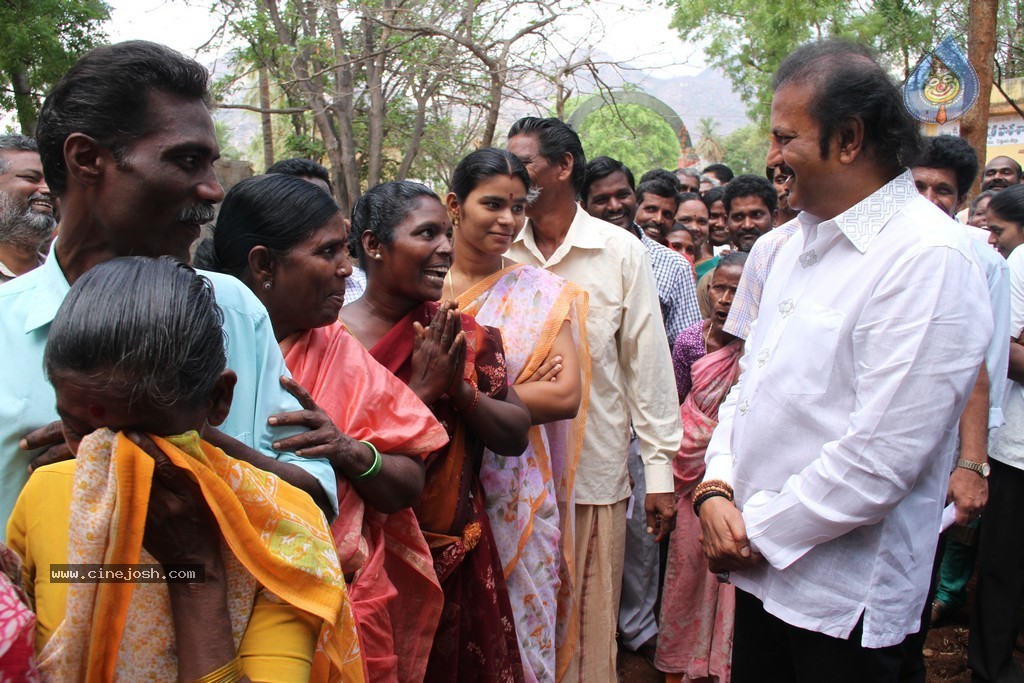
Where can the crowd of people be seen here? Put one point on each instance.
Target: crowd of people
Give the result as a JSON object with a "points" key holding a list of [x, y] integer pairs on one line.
{"points": [[501, 432]]}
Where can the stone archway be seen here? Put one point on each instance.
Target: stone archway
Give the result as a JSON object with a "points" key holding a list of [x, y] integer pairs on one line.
{"points": [[667, 114]]}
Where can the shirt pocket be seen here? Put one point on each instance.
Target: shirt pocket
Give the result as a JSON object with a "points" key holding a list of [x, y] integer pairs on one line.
{"points": [[805, 353]]}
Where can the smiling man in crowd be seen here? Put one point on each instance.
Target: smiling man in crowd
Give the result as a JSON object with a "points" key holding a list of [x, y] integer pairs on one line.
{"points": [[26, 207], [1000, 173], [750, 202], [827, 473]]}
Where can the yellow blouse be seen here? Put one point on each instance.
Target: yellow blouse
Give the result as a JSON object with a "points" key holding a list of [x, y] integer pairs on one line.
{"points": [[278, 643]]}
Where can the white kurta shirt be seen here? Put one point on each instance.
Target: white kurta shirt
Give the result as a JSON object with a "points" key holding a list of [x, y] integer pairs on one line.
{"points": [[838, 437]]}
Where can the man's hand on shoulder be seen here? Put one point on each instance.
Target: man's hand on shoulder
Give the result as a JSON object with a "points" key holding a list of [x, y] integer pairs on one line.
{"points": [[724, 536]]}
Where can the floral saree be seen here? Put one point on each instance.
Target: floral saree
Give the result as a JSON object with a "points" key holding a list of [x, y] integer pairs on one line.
{"points": [[529, 499]]}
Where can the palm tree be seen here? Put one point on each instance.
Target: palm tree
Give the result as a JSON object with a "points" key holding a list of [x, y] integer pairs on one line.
{"points": [[709, 147]]}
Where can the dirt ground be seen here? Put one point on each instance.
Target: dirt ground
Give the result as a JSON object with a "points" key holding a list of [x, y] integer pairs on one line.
{"points": [[945, 653]]}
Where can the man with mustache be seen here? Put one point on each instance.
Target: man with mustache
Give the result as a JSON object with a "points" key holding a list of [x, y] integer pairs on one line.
{"points": [[827, 472], [127, 142], [750, 203], [1000, 173], [26, 207]]}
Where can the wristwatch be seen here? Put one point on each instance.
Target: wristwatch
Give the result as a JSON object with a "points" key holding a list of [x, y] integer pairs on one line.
{"points": [[981, 468]]}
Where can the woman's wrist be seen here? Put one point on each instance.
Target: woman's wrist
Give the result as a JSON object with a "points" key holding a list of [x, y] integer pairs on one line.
{"points": [[468, 396], [353, 459]]}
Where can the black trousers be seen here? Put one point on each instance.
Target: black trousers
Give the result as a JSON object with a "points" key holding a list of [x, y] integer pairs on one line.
{"points": [[768, 650], [995, 618]]}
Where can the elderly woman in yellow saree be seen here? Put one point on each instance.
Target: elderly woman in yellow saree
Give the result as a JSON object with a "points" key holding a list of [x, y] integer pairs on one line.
{"points": [[137, 360], [528, 499]]}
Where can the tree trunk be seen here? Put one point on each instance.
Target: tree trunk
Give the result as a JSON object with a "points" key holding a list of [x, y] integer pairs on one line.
{"points": [[494, 105], [374, 64], [268, 128], [981, 48], [27, 113]]}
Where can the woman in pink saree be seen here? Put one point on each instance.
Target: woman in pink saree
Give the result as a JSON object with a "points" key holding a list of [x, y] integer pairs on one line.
{"points": [[695, 630], [286, 239], [541, 317]]}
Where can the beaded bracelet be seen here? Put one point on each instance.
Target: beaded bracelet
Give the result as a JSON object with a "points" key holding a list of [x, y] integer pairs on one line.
{"points": [[377, 462], [706, 496], [713, 484], [229, 673]]}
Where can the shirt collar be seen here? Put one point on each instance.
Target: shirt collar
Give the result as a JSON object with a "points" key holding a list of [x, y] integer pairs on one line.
{"points": [[865, 219], [48, 294], [578, 236]]}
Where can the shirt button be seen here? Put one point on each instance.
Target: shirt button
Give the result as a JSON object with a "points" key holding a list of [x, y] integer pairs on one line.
{"points": [[762, 358], [744, 407], [786, 308], [808, 258]]}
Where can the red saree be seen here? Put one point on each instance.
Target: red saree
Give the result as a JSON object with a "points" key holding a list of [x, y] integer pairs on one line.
{"points": [[396, 599], [695, 630], [476, 639]]}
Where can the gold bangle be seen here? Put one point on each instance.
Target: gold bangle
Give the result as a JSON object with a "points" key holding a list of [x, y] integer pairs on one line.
{"points": [[229, 673]]}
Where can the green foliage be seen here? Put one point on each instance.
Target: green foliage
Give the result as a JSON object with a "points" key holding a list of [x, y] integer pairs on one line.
{"points": [[746, 149], [748, 39], [632, 134], [39, 41]]}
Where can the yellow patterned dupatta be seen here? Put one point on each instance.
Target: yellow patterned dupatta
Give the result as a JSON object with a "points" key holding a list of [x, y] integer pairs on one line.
{"points": [[278, 541], [529, 499]]}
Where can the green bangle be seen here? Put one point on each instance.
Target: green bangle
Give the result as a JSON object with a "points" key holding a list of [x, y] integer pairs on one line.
{"points": [[377, 462]]}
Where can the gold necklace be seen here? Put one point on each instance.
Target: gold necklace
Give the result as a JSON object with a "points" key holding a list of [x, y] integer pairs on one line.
{"points": [[451, 278], [707, 335]]}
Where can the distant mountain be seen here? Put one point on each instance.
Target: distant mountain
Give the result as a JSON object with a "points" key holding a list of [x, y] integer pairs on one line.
{"points": [[709, 93]]}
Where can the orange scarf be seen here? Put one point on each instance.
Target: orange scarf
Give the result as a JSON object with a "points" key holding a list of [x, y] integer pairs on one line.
{"points": [[277, 537]]}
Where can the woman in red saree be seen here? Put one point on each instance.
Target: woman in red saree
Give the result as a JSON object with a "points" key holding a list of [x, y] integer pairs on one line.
{"points": [[695, 630], [457, 368], [286, 239]]}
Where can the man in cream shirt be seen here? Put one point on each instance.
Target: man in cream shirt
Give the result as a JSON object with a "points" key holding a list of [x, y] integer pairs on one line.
{"points": [[631, 378], [836, 444]]}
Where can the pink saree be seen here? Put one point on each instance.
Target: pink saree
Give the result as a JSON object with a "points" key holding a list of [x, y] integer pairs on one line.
{"points": [[529, 499], [695, 631], [396, 598]]}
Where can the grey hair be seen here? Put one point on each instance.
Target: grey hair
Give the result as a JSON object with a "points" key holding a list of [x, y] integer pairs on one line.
{"points": [[15, 143], [145, 329], [691, 172], [715, 182]]}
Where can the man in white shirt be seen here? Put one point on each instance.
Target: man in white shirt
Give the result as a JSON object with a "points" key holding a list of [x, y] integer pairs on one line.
{"points": [[630, 379], [836, 443]]}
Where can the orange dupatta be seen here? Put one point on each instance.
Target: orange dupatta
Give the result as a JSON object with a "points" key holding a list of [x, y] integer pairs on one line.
{"points": [[276, 534]]}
